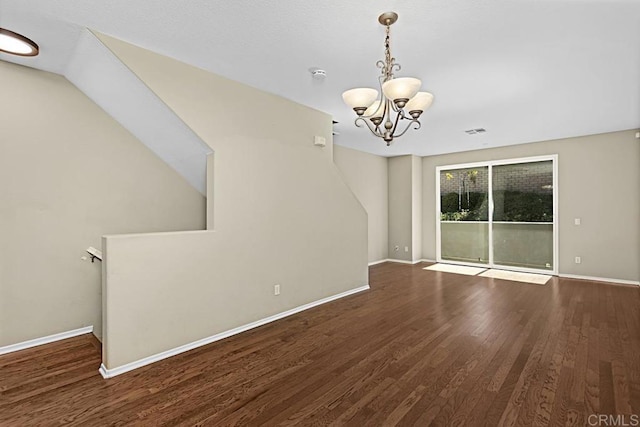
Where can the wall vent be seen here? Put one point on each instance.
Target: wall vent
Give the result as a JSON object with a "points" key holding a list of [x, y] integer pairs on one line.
{"points": [[475, 131]]}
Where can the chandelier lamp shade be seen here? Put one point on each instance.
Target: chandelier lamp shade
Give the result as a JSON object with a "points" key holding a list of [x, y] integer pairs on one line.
{"points": [[400, 104]]}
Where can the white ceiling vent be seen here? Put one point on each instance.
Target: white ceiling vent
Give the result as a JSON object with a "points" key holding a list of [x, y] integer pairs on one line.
{"points": [[475, 131]]}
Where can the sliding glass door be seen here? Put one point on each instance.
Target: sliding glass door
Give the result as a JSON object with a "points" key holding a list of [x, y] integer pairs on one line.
{"points": [[498, 214], [464, 225], [522, 225]]}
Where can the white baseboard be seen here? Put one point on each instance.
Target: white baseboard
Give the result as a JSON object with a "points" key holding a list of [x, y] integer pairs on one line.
{"points": [[600, 279], [401, 261], [109, 373], [45, 340], [428, 260]]}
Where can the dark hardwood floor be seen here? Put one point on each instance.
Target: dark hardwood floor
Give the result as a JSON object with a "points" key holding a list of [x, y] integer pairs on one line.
{"points": [[420, 348]]}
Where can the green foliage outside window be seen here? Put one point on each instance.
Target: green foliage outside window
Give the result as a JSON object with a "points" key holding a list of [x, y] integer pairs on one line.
{"points": [[471, 206], [513, 206]]}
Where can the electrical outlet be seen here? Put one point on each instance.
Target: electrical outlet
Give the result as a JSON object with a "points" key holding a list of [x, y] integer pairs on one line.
{"points": [[406, 248], [578, 260], [276, 289], [576, 221]]}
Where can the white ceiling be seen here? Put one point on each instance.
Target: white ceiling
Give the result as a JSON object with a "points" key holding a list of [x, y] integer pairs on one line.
{"points": [[526, 70]]}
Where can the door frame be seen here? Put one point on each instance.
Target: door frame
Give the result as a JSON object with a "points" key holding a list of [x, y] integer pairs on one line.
{"points": [[556, 232]]}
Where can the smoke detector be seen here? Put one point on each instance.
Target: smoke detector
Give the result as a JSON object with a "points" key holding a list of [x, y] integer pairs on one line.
{"points": [[318, 73]]}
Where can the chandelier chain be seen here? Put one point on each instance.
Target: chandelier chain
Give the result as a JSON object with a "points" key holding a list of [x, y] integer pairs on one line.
{"points": [[387, 53], [389, 63]]}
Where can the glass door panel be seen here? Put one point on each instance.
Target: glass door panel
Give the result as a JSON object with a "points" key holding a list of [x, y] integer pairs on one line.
{"points": [[464, 215], [522, 226]]}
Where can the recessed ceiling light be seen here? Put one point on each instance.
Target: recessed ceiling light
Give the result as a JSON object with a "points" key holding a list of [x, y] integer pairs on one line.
{"points": [[17, 44]]}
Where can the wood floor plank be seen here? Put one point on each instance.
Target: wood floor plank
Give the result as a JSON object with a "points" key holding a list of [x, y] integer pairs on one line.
{"points": [[629, 335], [521, 407], [475, 388], [419, 348]]}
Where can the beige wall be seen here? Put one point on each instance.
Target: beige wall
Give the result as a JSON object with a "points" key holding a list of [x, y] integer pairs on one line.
{"points": [[367, 176], [405, 208], [281, 214], [599, 182], [69, 174]]}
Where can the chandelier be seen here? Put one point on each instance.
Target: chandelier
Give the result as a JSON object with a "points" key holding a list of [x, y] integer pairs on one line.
{"points": [[401, 102]]}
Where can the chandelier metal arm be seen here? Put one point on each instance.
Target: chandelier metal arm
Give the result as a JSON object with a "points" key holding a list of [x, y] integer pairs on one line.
{"points": [[417, 123], [376, 131], [399, 116], [368, 124]]}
